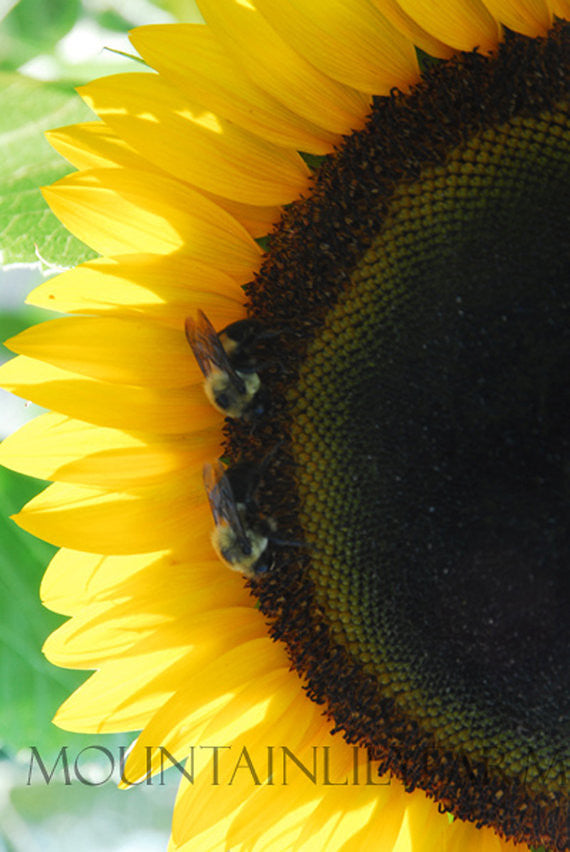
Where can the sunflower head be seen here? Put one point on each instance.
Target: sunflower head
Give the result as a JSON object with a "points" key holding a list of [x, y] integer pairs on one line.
{"points": [[359, 394]]}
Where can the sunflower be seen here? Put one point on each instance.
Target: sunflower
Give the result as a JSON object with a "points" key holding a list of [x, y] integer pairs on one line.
{"points": [[388, 669]]}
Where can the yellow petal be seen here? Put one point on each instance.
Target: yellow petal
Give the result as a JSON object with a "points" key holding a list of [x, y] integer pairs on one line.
{"points": [[193, 811], [257, 221], [59, 448], [465, 837], [71, 645], [122, 696], [193, 59], [118, 211], [126, 351], [385, 822], [105, 630], [207, 633], [294, 810], [411, 29], [170, 410], [279, 70], [212, 840], [209, 584], [193, 728], [425, 821], [343, 802], [143, 519], [264, 807], [203, 148], [164, 289], [463, 24], [248, 658], [353, 43], [560, 8], [336, 818], [73, 579], [93, 145], [530, 17], [238, 772], [226, 724]]}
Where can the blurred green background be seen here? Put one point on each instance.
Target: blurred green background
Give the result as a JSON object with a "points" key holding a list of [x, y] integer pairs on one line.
{"points": [[47, 47]]}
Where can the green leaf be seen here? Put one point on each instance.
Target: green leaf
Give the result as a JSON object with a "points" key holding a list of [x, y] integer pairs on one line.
{"points": [[111, 19], [31, 689], [27, 108], [33, 27], [13, 51]]}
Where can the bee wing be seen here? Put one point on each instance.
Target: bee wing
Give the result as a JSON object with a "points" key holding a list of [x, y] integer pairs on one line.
{"points": [[208, 350], [222, 501]]}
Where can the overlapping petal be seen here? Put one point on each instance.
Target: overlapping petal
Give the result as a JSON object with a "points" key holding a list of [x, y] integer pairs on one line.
{"points": [[149, 287], [139, 519], [94, 145], [162, 410], [150, 109], [62, 449], [277, 68], [531, 17], [409, 27], [113, 349], [463, 24], [353, 44], [122, 211], [75, 579], [190, 57]]}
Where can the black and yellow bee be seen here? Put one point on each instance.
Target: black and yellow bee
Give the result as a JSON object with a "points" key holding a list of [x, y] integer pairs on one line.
{"points": [[241, 535], [228, 362]]}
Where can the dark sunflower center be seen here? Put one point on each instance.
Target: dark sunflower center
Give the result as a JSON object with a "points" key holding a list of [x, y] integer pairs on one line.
{"points": [[424, 388], [437, 391]]}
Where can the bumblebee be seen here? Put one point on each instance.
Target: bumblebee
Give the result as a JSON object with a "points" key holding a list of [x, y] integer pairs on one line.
{"points": [[227, 361], [241, 535]]}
